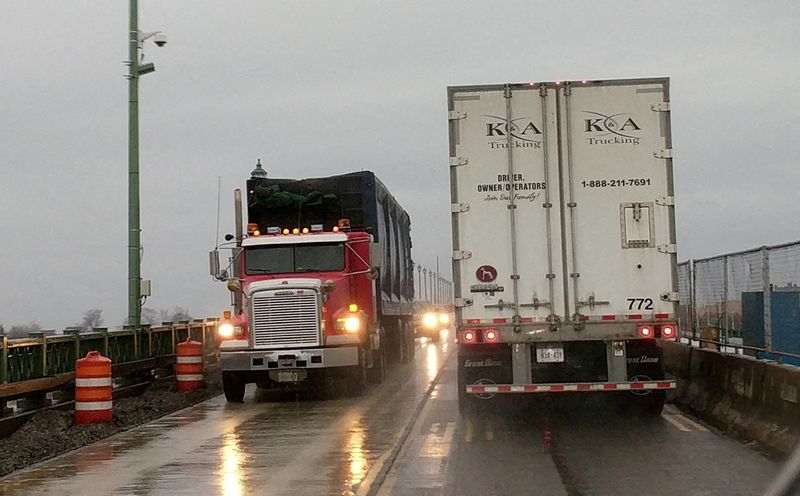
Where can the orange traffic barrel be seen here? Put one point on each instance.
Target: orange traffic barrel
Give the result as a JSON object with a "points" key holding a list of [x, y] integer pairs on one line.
{"points": [[189, 365], [93, 389]]}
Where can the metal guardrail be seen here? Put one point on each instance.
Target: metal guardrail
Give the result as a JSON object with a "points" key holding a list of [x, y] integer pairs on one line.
{"points": [[40, 356], [721, 345]]}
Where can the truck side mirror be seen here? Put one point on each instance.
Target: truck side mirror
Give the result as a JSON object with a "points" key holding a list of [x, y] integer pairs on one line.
{"points": [[234, 285], [328, 286], [213, 263], [373, 273], [375, 255]]}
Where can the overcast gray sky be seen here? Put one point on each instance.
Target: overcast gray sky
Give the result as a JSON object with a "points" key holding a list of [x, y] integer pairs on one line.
{"points": [[317, 88]]}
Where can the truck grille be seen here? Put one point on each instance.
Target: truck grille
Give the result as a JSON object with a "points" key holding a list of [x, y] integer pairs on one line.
{"points": [[285, 318]]}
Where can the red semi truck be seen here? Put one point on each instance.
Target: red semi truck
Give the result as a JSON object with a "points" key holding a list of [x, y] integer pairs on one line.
{"points": [[322, 284]]}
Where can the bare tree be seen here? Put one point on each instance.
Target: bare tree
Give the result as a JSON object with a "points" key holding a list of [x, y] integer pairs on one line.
{"points": [[92, 319], [180, 313], [21, 331]]}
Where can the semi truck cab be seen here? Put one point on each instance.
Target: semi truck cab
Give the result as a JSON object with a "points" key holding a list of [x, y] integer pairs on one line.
{"points": [[309, 309]]}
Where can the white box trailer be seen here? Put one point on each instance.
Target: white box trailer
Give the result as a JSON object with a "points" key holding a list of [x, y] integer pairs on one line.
{"points": [[564, 254]]}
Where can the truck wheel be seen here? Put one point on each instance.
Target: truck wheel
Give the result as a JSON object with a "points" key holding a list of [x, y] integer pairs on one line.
{"points": [[233, 387], [356, 381], [466, 402], [651, 404], [407, 351], [377, 373]]}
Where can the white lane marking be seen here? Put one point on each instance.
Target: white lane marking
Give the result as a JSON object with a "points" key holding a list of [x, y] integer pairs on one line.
{"points": [[698, 426], [437, 444], [669, 418]]}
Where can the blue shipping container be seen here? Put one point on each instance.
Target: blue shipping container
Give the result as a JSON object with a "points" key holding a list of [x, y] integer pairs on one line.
{"points": [[785, 317]]}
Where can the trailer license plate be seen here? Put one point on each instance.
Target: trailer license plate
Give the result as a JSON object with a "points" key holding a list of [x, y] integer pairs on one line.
{"points": [[288, 376], [550, 353]]}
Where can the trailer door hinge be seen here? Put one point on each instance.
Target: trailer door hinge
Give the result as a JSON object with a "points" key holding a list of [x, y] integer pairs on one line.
{"points": [[462, 302], [456, 161], [455, 115], [660, 107], [670, 248], [457, 208], [461, 254], [666, 201], [663, 153]]}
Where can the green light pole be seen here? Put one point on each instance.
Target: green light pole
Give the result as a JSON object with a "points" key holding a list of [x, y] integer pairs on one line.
{"points": [[135, 41]]}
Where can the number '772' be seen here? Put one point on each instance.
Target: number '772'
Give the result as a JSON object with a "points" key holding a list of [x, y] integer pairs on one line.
{"points": [[640, 303]]}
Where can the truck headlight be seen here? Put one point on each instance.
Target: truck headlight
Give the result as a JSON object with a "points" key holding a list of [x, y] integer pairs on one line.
{"points": [[228, 330], [444, 318], [430, 320], [349, 324]]}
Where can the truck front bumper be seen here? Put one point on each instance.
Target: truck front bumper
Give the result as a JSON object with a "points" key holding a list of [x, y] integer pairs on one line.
{"points": [[313, 358]]}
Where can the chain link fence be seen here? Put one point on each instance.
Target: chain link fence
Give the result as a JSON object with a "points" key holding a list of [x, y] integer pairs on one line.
{"points": [[748, 299]]}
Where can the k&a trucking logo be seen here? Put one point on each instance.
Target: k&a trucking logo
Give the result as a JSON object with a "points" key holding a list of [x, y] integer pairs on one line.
{"points": [[523, 132], [614, 129]]}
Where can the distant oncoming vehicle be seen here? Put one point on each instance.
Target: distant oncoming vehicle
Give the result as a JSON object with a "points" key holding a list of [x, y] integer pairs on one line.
{"points": [[432, 323], [572, 180]]}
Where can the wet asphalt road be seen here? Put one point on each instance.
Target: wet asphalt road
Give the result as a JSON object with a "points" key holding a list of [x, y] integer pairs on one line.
{"points": [[353, 446]]}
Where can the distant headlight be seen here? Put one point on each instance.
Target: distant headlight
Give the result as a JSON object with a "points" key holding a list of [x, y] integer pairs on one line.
{"points": [[430, 320], [444, 318]]}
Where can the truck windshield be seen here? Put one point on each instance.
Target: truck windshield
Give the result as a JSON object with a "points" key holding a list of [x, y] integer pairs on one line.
{"points": [[316, 257]]}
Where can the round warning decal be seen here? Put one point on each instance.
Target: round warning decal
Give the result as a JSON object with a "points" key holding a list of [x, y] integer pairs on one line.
{"points": [[486, 273]]}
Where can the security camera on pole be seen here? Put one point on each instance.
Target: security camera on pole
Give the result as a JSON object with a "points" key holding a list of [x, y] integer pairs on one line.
{"points": [[136, 289]]}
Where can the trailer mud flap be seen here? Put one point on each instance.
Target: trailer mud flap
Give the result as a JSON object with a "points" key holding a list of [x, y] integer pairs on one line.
{"points": [[485, 365]]}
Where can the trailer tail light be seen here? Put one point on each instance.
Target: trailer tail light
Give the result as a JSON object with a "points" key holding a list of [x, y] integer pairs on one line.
{"points": [[646, 331], [668, 331], [469, 336], [490, 336]]}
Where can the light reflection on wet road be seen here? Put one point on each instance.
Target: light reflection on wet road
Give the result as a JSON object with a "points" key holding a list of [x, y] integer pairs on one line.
{"points": [[338, 446], [306, 446]]}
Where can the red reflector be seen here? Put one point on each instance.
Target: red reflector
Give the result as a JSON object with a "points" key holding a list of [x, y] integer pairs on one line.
{"points": [[584, 317], [490, 336], [635, 316], [473, 321], [469, 336], [662, 315], [646, 331], [527, 320], [499, 321], [504, 389], [609, 317], [637, 385], [557, 387], [478, 389]]}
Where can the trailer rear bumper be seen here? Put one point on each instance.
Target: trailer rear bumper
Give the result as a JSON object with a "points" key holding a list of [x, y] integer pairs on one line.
{"points": [[481, 389]]}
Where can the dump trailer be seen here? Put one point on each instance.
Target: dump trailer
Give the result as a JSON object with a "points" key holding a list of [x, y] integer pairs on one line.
{"points": [[322, 284], [572, 182]]}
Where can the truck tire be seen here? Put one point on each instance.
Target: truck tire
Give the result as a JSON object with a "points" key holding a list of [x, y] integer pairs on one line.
{"points": [[356, 380], [466, 402], [408, 349], [377, 373], [233, 386]]}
